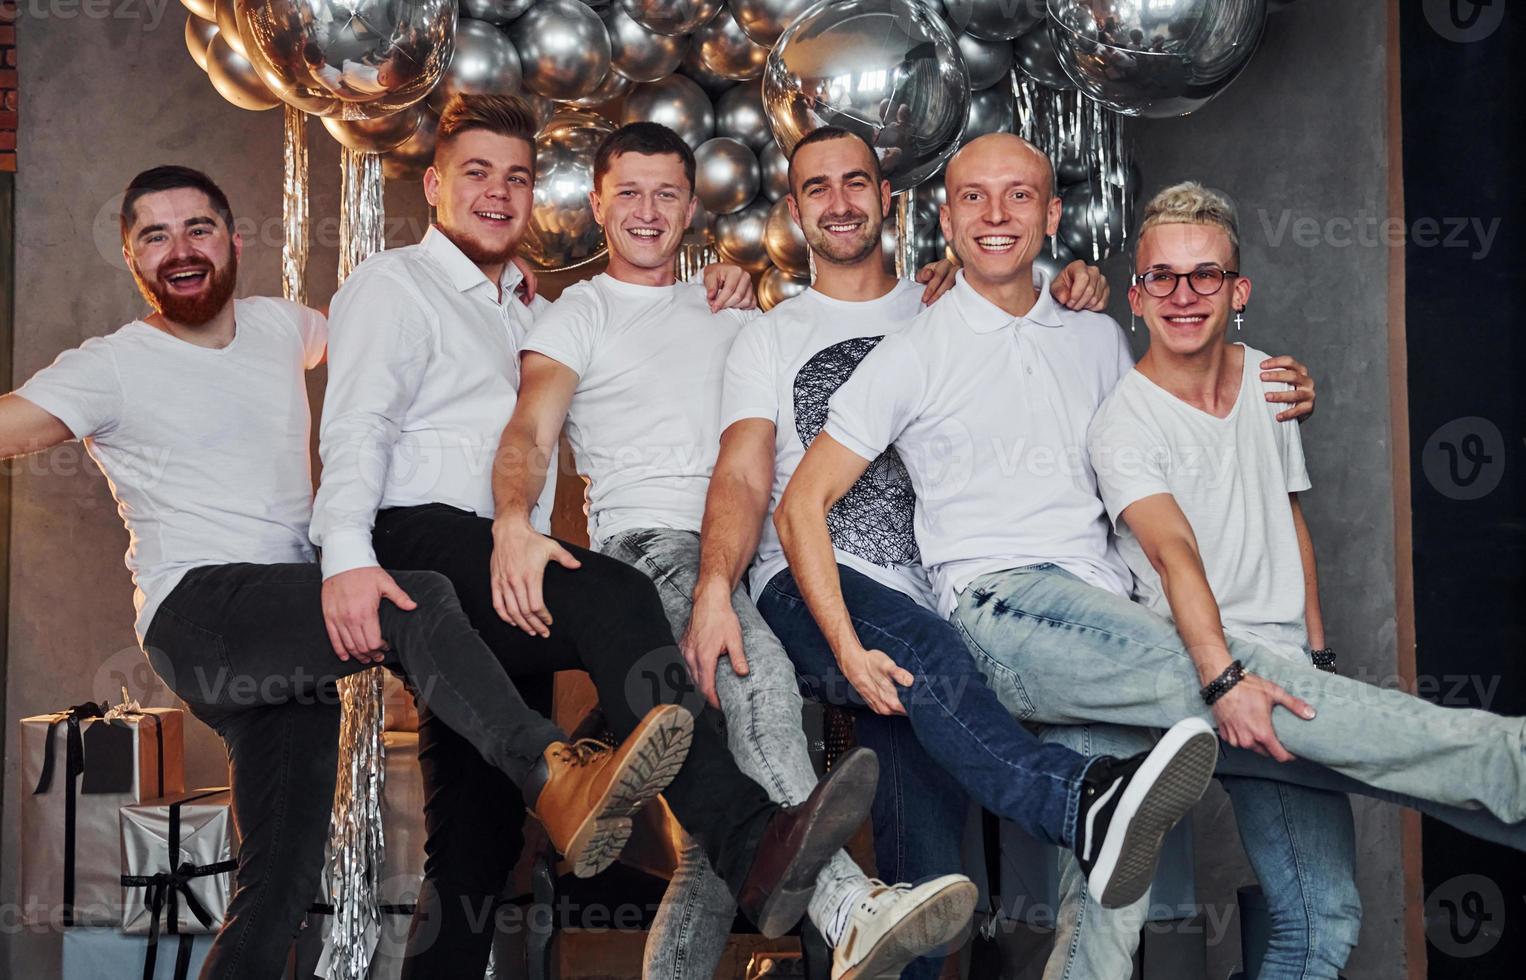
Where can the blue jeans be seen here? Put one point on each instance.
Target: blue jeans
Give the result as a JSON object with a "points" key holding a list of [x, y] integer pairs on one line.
{"points": [[1301, 844], [955, 740], [1065, 652]]}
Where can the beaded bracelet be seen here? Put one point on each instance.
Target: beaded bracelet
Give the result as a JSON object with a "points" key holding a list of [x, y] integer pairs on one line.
{"points": [[1221, 685], [1324, 659]]}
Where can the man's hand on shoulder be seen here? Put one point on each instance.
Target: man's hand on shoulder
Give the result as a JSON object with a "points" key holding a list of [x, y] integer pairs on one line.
{"points": [[1300, 400], [350, 602], [729, 287], [1081, 287]]}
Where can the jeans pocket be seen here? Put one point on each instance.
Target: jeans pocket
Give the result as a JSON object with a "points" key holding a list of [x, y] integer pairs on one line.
{"points": [[1003, 678], [191, 660]]}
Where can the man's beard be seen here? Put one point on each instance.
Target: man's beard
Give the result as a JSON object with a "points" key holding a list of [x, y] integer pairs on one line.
{"points": [[839, 252], [479, 252], [199, 308]]}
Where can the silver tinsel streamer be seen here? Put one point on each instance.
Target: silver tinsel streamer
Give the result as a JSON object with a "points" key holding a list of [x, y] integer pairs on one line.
{"points": [[1068, 125], [356, 842], [294, 208], [693, 257], [905, 239]]}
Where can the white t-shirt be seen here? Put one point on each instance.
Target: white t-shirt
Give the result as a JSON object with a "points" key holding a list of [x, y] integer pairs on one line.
{"points": [[206, 450], [989, 413], [650, 362], [784, 368], [1231, 477]]}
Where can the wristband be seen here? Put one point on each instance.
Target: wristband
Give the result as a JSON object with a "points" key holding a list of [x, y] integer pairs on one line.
{"points": [[1324, 659], [1224, 683]]}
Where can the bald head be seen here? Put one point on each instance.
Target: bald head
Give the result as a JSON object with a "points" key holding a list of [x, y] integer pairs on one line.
{"points": [[1004, 152]]}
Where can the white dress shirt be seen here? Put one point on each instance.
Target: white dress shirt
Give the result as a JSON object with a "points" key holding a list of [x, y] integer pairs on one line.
{"points": [[423, 376], [989, 412]]}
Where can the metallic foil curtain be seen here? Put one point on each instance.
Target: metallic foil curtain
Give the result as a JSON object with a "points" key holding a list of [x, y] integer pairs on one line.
{"points": [[294, 208], [1068, 126], [355, 834], [905, 237]]}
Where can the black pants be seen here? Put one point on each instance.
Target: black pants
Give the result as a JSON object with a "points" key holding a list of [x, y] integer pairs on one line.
{"points": [[607, 620], [246, 647]]}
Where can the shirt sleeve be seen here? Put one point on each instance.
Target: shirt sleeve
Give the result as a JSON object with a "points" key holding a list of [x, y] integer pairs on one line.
{"points": [[1295, 469], [378, 351], [566, 332], [882, 397], [751, 387], [315, 335], [1130, 461], [81, 389]]}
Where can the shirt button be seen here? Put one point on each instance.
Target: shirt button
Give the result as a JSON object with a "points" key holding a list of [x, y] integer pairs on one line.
{"points": [[1030, 369]]}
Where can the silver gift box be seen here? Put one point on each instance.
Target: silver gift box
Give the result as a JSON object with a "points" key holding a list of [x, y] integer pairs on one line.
{"points": [[97, 848], [98, 953], [205, 840]]}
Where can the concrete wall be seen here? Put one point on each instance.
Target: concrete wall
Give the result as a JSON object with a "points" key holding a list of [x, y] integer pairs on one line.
{"points": [[1303, 135]]}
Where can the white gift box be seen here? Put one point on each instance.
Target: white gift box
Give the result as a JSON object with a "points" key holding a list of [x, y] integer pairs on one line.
{"points": [[98, 953], [77, 770], [177, 863]]}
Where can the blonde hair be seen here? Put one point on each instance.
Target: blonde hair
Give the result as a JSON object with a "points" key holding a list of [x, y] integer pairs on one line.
{"points": [[1190, 203]]}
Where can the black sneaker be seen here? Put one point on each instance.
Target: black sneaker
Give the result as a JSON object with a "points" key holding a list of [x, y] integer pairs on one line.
{"points": [[1128, 806]]}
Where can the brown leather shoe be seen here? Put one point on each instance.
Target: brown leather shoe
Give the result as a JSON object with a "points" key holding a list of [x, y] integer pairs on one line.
{"points": [[800, 840], [584, 793]]}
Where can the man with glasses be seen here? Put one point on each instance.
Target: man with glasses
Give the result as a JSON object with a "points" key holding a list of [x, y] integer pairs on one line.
{"points": [[987, 397]]}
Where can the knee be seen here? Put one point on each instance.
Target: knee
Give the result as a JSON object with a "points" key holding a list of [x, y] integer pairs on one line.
{"points": [[431, 591]]}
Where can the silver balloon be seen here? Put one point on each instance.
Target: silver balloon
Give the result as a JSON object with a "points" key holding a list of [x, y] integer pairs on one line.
{"points": [[543, 108], [1053, 258], [785, 242], [994, 20], [563, 232], [677, 103], [640, 54], [227, 24], [739, 114], [927, 232], [987, 61], [409, 160], [349, 58], [725, 49], [1160, 59], [775, 286], [563, 49], [991, 111], [888, 70], [765, 20], [726, 175], [714, 85], [198, 35], [235, 78], [205, 9], [376, 135], [495, 11], [1091, 222], [775, 171], [483, 63], [739, 235], [614, 86], [671, 17], [1037, 59]]}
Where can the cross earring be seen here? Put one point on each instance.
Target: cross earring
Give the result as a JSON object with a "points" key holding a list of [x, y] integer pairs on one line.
{"points": [[1239, 319]]}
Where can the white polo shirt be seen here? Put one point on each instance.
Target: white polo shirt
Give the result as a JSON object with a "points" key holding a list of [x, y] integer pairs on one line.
{"points": [[784, 368], [650, 361], [989, 413], [423, 376], [1231, 477], [206, 450]]}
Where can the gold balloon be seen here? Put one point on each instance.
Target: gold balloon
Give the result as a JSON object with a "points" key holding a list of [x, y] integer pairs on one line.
{"points": [[235, 78], [775, 286], [785, 242], [376, 135], [198, 37]]}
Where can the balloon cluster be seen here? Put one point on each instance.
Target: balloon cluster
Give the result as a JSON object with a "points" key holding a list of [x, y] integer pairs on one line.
{"points": [[742, 81]]}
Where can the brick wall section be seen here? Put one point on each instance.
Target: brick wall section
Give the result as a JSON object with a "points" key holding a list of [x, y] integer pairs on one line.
{"points": [[9, 99]]}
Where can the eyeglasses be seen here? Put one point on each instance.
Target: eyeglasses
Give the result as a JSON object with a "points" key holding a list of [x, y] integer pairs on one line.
{"points": [[1161, 283]]}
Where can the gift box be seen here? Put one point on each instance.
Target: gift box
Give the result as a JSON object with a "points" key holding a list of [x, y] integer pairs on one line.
{"points": [[177, 863], [96, 953], [79, 767]]}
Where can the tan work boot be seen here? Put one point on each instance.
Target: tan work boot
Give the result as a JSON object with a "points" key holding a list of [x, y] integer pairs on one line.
{"points": [[585, 792]]}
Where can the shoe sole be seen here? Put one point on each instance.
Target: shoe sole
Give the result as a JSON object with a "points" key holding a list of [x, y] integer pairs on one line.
{"points": [[938, 921], [844, 807], [1170, 781], [660, 746]]}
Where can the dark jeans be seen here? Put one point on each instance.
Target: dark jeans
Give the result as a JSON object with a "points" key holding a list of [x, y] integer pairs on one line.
{"points": [[957, 739], [607, 620], [245, 646]]}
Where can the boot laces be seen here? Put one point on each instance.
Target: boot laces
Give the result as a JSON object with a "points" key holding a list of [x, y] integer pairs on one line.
{"points": [[583, 751]]}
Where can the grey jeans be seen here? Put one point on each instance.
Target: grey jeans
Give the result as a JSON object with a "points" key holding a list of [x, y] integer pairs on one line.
{"points": [[767, 738]]}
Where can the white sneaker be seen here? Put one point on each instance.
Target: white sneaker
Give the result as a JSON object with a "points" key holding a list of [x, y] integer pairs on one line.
{"points": [[895, 924]]}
